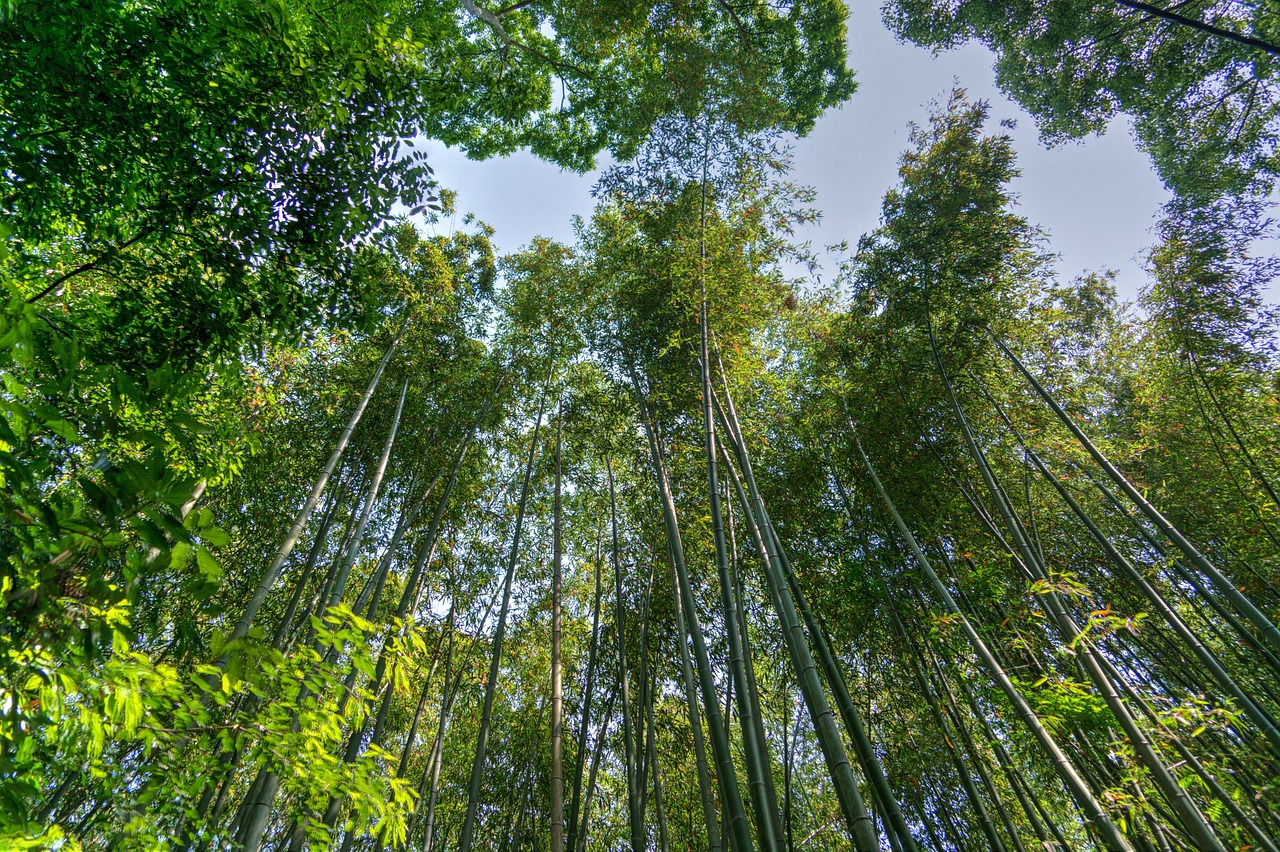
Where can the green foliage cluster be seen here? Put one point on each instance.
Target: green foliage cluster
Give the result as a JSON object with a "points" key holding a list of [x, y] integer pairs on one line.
{"points": [[1203, 106], [946, 554]]}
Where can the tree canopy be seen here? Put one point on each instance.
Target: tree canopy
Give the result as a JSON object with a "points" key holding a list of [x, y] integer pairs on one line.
{"points": [[325, 527]]}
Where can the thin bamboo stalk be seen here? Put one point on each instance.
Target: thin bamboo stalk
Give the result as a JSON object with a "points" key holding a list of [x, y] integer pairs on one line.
{"points": [[1089, 806]]}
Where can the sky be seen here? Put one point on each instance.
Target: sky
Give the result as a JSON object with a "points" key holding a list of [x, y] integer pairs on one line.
{"points": [[1098, 199]]}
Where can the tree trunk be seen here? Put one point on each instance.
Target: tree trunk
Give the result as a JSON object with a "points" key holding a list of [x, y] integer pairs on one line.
{"points": [[1228, 589], [407, 599], [286, 547], [1251, 462], [752, 685], [490, 690], [659, 808], [635, 815], [1110, 834], [557, 686], [255, 815], [857, 820]]}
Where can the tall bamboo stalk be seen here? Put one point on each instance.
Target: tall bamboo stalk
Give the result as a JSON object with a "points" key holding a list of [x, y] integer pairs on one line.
{"points": [[486, 718], [557, 686], [858, 821], [1097, 817], [705, 794], [431, 775], [1006, 764], [581, 833], [971, 746], [1220, 582], [291, 538], [731, 797], [1250, 461], [757, 761], [408, 599], [752, 687], [635, 816], [366, 510], [588, 695], [258, 809], [923, 681]]}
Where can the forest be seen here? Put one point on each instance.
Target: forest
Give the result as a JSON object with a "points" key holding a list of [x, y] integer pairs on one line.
{"points": [[327, 521]]}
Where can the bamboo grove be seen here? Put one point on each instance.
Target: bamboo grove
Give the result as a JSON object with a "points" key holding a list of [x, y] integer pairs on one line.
{"points": [[326, 529]]}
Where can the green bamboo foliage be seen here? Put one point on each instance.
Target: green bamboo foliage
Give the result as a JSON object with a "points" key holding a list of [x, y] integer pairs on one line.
{"points": [[770, 553], [1193, 821], [732, 801], [905, 584], [1261, 623], [477, 766], [1079, 790]]}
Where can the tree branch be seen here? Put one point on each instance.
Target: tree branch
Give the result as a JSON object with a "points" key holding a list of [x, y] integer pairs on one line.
{"points": [[508, 42], [514, 7], [1249, 41], [85, 267], [490, 19]]}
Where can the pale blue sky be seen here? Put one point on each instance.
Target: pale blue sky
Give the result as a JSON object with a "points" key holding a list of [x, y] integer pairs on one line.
{"points": [[1098, 199]]}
